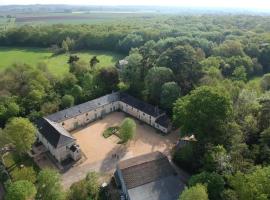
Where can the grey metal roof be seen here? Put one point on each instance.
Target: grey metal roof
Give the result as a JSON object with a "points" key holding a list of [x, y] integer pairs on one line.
{"points": [[83, 108], [167, 188], [54, 133], [141, 105], [163, 120], [145, 169]]}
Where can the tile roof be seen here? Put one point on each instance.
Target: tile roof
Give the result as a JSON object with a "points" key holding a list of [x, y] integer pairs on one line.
{"points": [[145, 169], [54, 133]]}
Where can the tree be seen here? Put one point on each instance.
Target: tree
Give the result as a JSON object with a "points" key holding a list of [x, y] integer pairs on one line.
{"points": [[127, 129], [265, 146], [250, 186], [25, 173], [264, 58], [198, 192], [265, 82], [185, 158], [21, 133], [21, 190], [92, 185], [132, 40], [72, 59], [203, 113], [65, 46], [79, 68], [87, 188], [49, 186], [154, 80], [239, 74], [229, 48], [8, 108], [67, 101], [78, 191], [213, 181], [216, 159], [170, 92], [106, 80], [131, 74], [182, 60], [94, 61], [77, 92]]}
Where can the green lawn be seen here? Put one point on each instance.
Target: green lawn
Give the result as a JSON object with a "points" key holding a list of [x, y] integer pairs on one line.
{"points": [[56, 64]]}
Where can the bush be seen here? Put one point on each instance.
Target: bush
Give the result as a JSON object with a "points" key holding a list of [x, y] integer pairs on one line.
{"points": [[25, 173], [110, 131], [21, 190]]}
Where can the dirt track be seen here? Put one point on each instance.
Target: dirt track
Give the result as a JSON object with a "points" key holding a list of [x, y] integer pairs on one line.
{"points": [[97, 148]]}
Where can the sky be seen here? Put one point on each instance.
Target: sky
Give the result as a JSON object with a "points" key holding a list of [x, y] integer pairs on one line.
{"points": [[255, 4]]}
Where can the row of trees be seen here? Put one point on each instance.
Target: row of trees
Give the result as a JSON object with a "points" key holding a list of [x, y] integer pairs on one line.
{"points": [[205, 32], [48, 187]]}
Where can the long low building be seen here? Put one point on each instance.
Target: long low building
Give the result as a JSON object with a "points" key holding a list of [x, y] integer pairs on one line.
{"points": [[148, 177], [53, 130]]}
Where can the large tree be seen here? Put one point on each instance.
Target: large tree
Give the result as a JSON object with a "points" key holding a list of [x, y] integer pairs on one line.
{"points": [[213, 181], [182, 60], [106, 80], [204, 113], [254, 185], [154, 80], [67, 101], [21, 133], [170, 92], [127, 129], [21, 190], [131, 74], [49, 186]]}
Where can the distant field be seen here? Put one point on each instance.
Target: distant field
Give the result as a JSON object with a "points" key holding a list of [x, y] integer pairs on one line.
{"points": [[56, 64], [77, 18]]}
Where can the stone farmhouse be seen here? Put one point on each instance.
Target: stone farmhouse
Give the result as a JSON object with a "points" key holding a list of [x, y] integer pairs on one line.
{"points": [[148, 177], [53, 130]]}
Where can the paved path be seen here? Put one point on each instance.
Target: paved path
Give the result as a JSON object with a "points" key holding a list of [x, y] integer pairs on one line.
{"points": [[77, 173]]}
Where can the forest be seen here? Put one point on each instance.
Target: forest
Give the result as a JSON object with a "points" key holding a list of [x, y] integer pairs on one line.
{"points": [[211, 73]]}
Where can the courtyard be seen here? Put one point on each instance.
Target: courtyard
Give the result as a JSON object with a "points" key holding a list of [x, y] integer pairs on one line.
{"points": [[99, 152]]}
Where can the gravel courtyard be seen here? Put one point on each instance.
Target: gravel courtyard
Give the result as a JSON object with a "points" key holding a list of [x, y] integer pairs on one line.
{"points": [[99, 151]]}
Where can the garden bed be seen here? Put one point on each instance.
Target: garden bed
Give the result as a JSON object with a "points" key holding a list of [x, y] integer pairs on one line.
{"points": [[114, 130]]}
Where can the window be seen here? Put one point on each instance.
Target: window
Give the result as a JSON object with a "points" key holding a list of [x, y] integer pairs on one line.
{"points": [[143, 114], [63, 123], [86, 114]]}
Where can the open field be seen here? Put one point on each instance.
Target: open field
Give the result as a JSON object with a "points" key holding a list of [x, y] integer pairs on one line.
{"points": [[78, 17], [56, 64], [99, 151]]}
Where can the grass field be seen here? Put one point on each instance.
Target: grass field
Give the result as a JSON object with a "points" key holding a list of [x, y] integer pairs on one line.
{"points": [[56, 64], [78, 18]]}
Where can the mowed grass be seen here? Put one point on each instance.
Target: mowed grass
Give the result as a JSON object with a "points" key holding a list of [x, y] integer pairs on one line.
{"points": [[56, 64]]}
